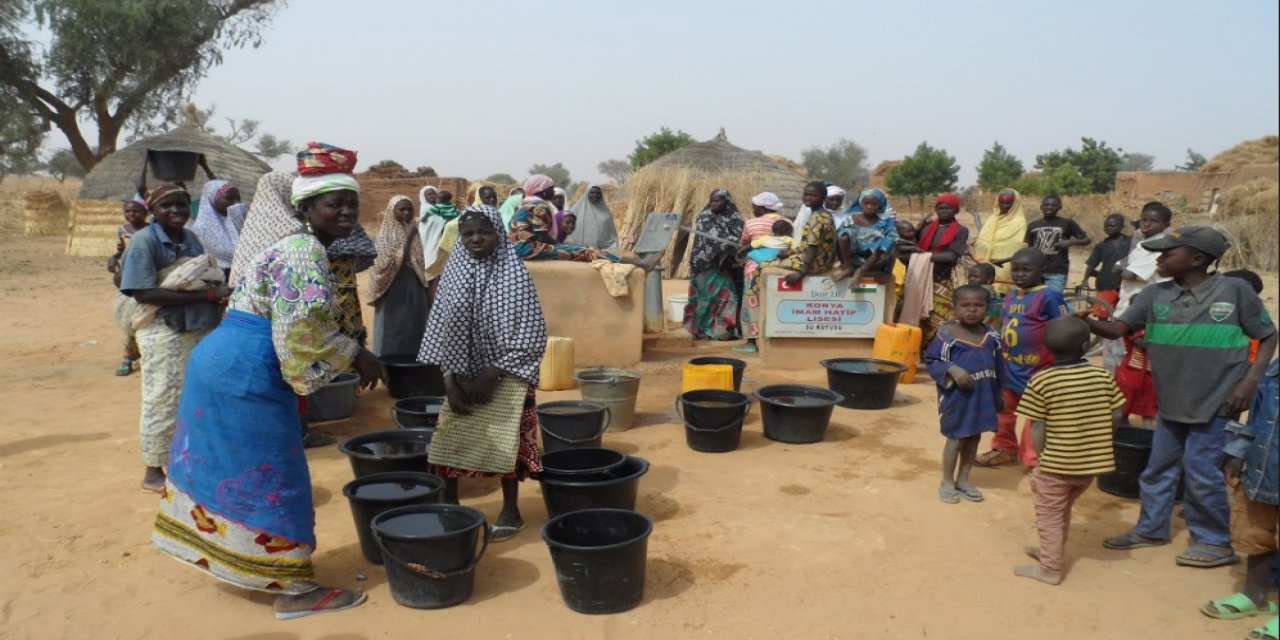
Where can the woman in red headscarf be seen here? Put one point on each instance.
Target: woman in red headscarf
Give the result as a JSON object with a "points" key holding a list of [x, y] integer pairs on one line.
{"points": [[945, 240]]}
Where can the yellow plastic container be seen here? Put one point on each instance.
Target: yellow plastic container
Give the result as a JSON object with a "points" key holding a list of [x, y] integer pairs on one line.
{"points": [[898, 343], [708, 376], [556, 370]]}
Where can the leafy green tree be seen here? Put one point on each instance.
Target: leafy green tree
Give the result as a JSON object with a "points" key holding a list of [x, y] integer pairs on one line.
{"points": [[656, 145], [20, 136], [843, 163], [1064, 180], [925, 172], [1194, 161], [501, 178], [616, 170], [118, 64], [62, 165], [1137, 162], [556, 172], [998, 169], [1094, 160]]}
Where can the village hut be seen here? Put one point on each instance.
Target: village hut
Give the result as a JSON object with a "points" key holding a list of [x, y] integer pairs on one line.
{"points": [[681, 182], [96, 214]]}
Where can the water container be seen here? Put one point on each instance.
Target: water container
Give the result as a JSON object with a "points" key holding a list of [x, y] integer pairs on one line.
{"points": [[556, 372], [675, 308], [707, 376], [899, 343], [614, 388]]}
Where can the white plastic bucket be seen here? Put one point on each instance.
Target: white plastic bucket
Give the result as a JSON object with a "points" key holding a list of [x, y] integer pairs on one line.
{"points": [[675, 308]]}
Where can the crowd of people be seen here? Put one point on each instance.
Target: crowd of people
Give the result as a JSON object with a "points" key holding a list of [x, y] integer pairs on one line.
{"points": [[241, 314]]}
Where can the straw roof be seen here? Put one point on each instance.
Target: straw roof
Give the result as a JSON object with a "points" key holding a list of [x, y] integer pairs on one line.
{"points": [[682, 180], [116, 176], [1265, 150]]}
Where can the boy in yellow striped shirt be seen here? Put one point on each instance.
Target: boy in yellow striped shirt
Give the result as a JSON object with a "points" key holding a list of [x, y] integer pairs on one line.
{"points": [[1074, 408]]}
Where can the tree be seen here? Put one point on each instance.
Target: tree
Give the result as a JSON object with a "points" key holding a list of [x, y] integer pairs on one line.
{"points": [[925, 172], [556, 172], [998, 168], [270, 147], [843, 163], [1064, 180], [118, 64], [501, 178], [1137, 162], [616, 170], [62, 165], [1194, 162], [1095, 161], [20, 136], [656, 145], [20, 127]]}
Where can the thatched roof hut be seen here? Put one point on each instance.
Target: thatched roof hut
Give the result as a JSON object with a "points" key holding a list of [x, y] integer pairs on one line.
{"points": [[96, 214], [682, 180]]}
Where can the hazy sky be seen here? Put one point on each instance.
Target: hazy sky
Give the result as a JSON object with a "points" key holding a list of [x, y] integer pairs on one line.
{"points": [[485, 86]]}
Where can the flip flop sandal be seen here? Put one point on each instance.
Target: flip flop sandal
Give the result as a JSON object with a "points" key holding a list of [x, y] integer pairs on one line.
{"points": [[1207, 556], [1132, 540], [1235, 607], [319, 606], [949, 496], [125, 368], [502, 533], [1268, 631], [971, 494]]}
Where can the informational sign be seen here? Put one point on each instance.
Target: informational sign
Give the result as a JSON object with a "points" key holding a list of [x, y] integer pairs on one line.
{"points": [[819, 307]]}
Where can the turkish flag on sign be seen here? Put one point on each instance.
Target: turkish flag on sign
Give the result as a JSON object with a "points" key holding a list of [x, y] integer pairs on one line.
{"points": [[783, 286]]}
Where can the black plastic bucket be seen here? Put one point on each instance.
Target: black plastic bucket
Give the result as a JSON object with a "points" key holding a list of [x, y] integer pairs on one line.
{"points": [[1133, 450], [572, 424], [173, 166], [796, 413], [373, 494], [430, 552], [865, 383], [384, 451], [581, 463], [614, 490], [738, 367], [419, 412], [713, 418], [599, 556], [335, 400], [407, 378]]}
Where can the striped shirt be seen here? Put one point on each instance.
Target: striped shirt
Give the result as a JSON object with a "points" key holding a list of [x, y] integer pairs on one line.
{"points": [[1074, 400]]}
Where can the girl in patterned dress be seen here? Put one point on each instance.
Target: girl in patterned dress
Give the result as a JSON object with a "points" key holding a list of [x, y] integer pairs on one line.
{"points": [[487, 334]]}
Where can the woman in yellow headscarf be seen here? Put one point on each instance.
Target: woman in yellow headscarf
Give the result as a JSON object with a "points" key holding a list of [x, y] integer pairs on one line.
{"points": [[1001, 236]]}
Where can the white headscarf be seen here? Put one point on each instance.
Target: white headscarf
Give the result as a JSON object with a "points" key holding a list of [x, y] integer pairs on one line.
{"points": [[218, 233], [423, 205], [768, 200], [595, 222], [307, 186]]}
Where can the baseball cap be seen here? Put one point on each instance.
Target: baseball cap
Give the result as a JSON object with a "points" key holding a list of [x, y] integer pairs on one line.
{"points": [[1205, 239]]}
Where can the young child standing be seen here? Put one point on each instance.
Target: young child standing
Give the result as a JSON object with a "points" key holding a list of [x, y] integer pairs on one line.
{"points": [[964, 361], [1026, 311], [983, 274], [1252, 466], [135, 220], [1198, 327], [1101, 265], [1054, 235], [1073, 407]]}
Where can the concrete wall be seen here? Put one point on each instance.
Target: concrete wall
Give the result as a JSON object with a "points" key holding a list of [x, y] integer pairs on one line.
{"points": [[606, 331]]}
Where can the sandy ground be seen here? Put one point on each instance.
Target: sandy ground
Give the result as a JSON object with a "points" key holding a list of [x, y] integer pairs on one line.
{"points": [[842, 539]]}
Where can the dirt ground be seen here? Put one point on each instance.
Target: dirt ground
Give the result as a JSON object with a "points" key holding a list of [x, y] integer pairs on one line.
{"points": [[841, 539]]}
